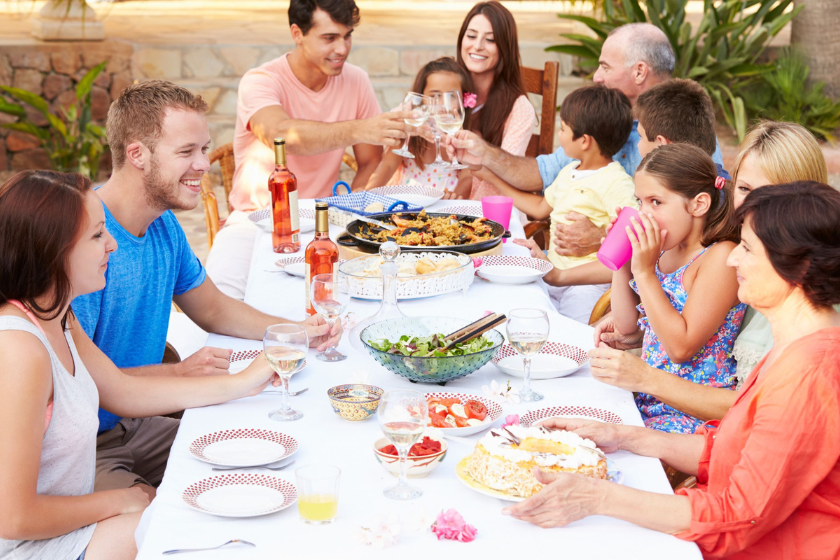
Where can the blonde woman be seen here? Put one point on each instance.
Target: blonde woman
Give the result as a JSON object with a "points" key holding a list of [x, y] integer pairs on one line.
{"points": [[772, 153]]}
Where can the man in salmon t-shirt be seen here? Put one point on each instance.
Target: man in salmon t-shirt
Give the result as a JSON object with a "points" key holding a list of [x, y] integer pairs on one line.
{"points": [[320, 104]]}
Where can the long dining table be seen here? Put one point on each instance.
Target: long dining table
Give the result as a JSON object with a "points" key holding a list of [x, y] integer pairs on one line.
{"points": [[325, 438]]}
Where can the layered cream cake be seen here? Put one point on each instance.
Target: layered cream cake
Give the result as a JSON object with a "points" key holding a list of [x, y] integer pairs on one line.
{"points": [[504, 459]]}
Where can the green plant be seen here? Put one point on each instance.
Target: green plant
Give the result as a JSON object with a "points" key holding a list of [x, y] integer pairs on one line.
{"points": [[721, 53], [785, 95], [72, 140]]}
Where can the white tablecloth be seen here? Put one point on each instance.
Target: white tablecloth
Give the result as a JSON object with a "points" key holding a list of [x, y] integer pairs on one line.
{"points": [[325, 438]]}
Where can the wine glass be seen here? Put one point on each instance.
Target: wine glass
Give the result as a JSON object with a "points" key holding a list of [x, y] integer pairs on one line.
{"points": [[403, 416], [330, 295], [527, 331], [439, 161], [419, 107], [449, 116], [285, 348]]}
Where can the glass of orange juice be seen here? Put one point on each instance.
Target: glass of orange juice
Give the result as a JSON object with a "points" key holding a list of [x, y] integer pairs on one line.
{"points": [[317, 493]]}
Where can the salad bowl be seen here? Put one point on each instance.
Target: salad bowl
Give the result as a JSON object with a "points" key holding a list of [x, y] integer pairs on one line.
{"points": [[402, 346]]}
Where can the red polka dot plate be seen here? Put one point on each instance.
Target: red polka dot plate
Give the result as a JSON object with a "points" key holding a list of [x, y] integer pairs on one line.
{"points": [[553, 360], [243, 447], [494, 412], [504, 269], [240, 495], [243, 358], [587, 412], [466, 210]]}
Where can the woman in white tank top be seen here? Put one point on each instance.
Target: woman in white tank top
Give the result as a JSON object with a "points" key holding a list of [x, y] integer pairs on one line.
{"points": [[54, 247]]}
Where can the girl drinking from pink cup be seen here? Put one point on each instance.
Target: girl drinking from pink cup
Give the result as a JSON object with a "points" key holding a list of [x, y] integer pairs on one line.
{"points": [[436, 77], [676, 288]]}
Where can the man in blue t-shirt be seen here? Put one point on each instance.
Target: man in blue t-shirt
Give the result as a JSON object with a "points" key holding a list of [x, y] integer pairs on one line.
{"points": [[159, 139], [634, 58]]}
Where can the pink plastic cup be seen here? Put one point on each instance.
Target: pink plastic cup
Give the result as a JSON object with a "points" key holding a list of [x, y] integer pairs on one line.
{"points": [[498, 209], [616, 249]]}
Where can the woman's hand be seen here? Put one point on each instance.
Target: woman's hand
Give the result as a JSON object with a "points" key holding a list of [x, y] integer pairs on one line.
{"points": [[607, 436], [620, 369], [132, 499], [605, 333], [319, 333], [532, 246], [258, 375], [648, 246], [563, 499]]}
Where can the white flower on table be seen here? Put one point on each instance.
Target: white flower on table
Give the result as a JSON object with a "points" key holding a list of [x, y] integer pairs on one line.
{"points": [[381, 531], [504, 393]]}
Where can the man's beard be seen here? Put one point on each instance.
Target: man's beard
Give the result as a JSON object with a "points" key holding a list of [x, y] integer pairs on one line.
{"points": [[160, 194]]}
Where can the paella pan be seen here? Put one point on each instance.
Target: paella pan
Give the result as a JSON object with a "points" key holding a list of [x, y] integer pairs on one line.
{"points": [[417, 231]]}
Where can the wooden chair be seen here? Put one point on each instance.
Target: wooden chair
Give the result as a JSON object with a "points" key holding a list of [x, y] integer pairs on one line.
{"points": [[350, 161], [223, 155], [542, 82], [601, 308]]}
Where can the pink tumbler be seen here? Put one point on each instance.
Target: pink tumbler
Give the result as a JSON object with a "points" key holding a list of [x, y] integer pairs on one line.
{"points": [[616, 249], [498, 209]]}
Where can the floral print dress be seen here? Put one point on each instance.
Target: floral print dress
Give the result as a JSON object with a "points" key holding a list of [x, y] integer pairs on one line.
{"points": [[713, 365]]}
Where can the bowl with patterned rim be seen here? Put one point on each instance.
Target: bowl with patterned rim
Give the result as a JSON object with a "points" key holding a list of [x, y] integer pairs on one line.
{"points": [[494, 412], [427, 369], [418, 466], [505, 269], [240, 495], [554, 359], [355, 402], [413, 194], [585, 412]]}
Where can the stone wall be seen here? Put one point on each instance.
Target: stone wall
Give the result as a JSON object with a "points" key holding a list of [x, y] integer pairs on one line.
{"points": [[213, 71], [52, 70]]}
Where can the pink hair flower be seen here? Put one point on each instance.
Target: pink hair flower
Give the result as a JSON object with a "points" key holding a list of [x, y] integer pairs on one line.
{"points": [[451, 525], [469, 100]]}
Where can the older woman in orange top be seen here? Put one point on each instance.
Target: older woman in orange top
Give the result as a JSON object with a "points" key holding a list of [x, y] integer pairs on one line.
{"points": [[769, 472]]}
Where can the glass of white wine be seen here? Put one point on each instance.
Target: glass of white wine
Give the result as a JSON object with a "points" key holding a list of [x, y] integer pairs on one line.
{"points": [[403, 416], [449, 117], [439, 161], [285, 348], [527, 331], [420, 107], [330, 295]]}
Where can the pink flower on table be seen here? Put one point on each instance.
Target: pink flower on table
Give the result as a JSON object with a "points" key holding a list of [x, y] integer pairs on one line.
{"points": [[511, 420], [469, 100], [451, 525]]}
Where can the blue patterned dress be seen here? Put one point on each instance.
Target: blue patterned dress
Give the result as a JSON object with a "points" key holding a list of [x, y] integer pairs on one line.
{"points": [[713, 365]]}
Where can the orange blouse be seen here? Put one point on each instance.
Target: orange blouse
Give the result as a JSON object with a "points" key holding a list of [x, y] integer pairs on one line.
{"points": [[769, 476]]}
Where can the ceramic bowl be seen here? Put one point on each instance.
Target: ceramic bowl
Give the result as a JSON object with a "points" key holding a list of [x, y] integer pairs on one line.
{"points": [[418, 467], [432, 369], [355, 402]]}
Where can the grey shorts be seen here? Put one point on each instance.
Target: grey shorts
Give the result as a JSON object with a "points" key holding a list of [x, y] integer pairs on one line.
{"points": [[134, 452]]}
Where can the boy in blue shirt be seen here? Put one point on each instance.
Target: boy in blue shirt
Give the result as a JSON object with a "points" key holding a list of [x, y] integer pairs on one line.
{"points": [[159, 140]]}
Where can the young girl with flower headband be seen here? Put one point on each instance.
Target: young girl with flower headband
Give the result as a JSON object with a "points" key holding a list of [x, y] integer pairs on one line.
{"points": [[438, 76], [676, 289]]}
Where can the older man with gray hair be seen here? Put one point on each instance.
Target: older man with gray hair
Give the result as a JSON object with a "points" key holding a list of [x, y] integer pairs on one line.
{"points": [[634, 58]]}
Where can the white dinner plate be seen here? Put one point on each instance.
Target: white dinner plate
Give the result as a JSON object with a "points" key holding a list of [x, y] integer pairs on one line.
{"points": [[415, 195], [263, 219], [240, 495], [494, 412], [244, 447], [553, 360], [465, 210], [296, 266], [614, 474], [513, 270]]}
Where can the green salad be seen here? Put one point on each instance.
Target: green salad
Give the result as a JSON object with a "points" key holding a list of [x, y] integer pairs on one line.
{"points": [[423, 345]]}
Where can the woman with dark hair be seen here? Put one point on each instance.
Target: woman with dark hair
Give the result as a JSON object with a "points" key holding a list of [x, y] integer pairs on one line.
{"points": [[488, 47], [769, 472], [54, 247]]}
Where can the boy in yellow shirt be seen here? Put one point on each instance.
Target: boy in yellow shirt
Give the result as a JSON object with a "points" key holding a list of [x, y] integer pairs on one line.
{"points": [[595, 122]]}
